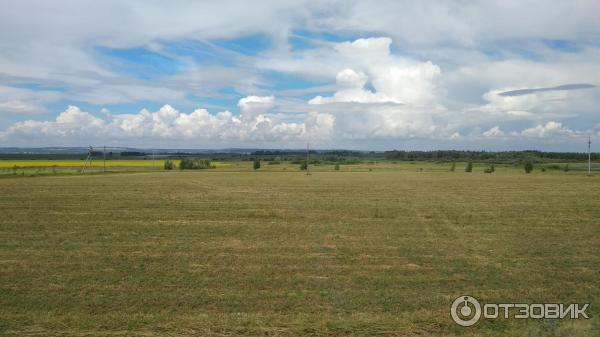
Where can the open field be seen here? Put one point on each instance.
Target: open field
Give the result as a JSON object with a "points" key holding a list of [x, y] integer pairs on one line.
{"points": [[277, 252], [79, 163], [44, 167], [35, 167]]}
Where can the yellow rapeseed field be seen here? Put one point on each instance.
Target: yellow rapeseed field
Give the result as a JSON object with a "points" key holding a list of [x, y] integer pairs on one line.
{"points": [[95, 163]]}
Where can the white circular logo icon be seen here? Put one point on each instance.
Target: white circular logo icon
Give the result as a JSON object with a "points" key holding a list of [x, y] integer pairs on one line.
{"points": [[465, 310]]}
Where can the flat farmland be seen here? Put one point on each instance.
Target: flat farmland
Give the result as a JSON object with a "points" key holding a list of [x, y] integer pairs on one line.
{"points": [[362, 252], [42, 167]]}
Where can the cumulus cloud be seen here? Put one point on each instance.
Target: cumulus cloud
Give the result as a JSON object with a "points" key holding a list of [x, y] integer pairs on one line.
{"points": [[549, 129], [494, 132], [394, 78], [369, 61], [402, 103], [71, 123], [351, 89], [168, 124], [252, 106]]}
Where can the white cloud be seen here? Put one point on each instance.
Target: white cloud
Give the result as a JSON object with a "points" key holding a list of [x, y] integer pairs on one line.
{"points": [[537, 105], [366, 61], [351, 89], [21, 107], [467, 24], [74, 126], [253, 106], [71, 123], [549, 129], [441, 78], [25, 101], [394, 78], [402, 103], [494, 132]]}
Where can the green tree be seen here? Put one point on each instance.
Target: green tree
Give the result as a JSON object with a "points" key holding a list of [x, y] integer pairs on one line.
{"points": [[194, 164], [469, 167], [566, 169], [303, 165], [528, 167], [453, 167], [256, 164], [169, 165], [336, 167]]}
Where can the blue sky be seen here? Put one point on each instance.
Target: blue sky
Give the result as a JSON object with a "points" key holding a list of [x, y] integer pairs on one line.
{"points": [[352, 74]]}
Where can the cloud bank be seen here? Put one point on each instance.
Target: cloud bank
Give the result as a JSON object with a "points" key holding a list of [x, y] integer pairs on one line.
{"points": [[394, 74], [168, 124]]}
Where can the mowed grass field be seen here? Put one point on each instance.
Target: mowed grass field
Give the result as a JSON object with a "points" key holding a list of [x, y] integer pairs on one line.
{"points": [[360, 252]]}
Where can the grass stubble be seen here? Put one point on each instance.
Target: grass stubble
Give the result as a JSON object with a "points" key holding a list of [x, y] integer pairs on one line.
{"points": [[282, 253]]}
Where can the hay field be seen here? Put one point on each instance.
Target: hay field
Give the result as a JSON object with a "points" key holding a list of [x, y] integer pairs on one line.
{"points": [[282, 253]]}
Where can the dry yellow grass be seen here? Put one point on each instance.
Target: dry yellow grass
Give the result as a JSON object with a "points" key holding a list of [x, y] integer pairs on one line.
{"points": [[281, 253]]}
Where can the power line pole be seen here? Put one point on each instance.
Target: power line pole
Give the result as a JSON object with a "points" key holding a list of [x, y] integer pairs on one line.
{"points": [[589, 155], [307, 158], [88, 159], [104, 157]]}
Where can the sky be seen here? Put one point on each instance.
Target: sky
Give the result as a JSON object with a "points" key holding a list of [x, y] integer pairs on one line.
{"points": [[365, 75]]}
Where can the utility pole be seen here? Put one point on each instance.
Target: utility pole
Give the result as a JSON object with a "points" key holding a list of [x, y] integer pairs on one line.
{"points": [[307, 158], [589, 155], [91, 157], [104, 157], [88, 159]]}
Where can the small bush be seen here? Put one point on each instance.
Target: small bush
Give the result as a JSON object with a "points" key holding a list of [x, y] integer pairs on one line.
{"points": [[469, 167], [453, 167], [336, 167], [490, 169], [566, 169], [303, 166], [169, 165], [195, 164], [528, 167], [256, 164]]}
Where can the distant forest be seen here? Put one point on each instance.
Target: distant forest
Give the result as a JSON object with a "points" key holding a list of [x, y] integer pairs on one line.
{"points": [[326, 156], [440, 155], [506, 156]]}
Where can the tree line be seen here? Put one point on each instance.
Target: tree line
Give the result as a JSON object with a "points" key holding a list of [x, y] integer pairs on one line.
{"points": [[505, 156]]}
